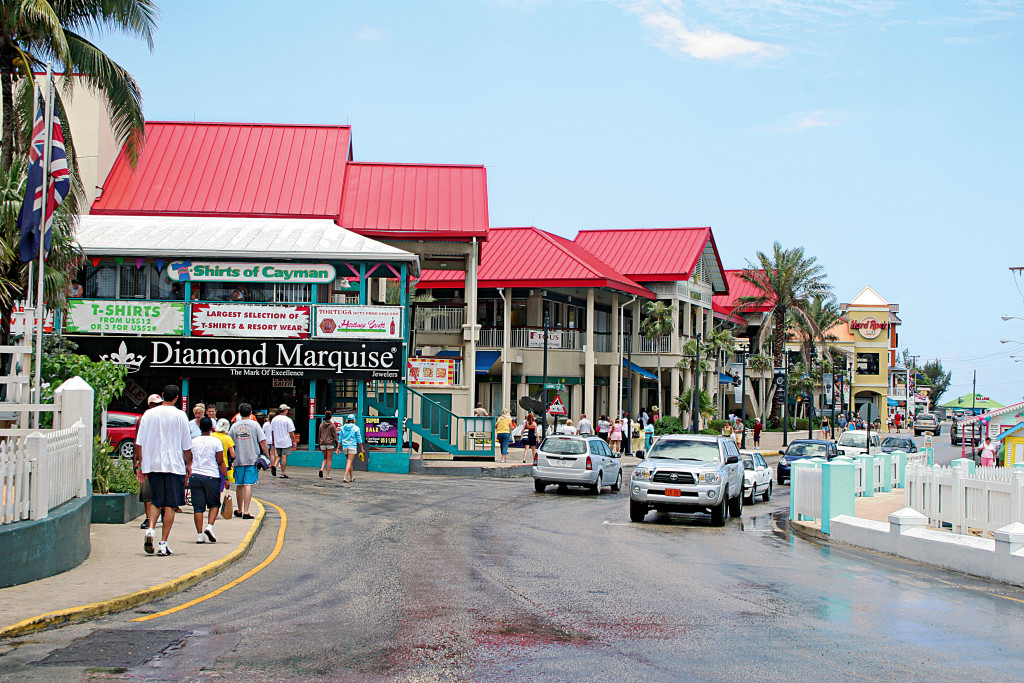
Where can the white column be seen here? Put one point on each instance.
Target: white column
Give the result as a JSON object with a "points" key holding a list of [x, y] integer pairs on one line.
{"points": [[616, 367], [588, 406], [506, 356], [673, 407], [676, 331], [470, 328]]}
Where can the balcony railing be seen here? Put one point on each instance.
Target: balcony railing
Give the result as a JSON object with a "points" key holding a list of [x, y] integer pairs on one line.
{"points": [[662, 344], [491, 338], [533, 338], [440, 319], [602, 342]]}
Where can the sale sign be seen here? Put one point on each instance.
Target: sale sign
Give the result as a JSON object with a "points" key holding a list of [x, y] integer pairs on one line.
{"points": [[381, 431], [358, 322], [250, 320]]}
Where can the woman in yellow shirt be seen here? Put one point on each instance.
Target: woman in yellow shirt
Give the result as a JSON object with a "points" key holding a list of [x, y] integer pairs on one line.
{"points": [[503, 428]]}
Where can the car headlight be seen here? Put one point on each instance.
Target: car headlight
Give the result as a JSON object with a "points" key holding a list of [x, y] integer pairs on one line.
{"points": [[642, 473], [710, 477]]}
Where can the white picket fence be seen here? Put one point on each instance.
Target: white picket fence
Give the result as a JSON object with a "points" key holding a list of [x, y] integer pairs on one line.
{"points": [[806, 492], [989, 499], [40, 471]]}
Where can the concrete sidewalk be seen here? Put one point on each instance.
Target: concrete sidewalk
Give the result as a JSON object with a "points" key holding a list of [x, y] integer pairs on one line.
{"points": [[119, 575]]}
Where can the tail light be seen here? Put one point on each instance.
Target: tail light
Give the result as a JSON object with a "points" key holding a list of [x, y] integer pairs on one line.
{"points": [[535, 458], [590, 463]]}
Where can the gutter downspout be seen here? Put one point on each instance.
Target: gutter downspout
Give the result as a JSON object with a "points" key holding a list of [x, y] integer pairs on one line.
{"points": [[622, 336]]}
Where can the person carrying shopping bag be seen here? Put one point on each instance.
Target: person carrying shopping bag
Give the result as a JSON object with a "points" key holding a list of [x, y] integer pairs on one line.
{"points": [[503, 430]]}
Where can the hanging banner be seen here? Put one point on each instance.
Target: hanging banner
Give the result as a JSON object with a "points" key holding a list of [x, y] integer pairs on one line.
{"points": [[232, 271], [224, 358], [18, 319], [537, 339], [827, 384], [250, 320], [432, 371], [358, 322], [99, 316], [380, 431]]}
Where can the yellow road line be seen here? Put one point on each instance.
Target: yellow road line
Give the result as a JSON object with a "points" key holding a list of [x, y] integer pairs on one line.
{"points": [[252, 572]]}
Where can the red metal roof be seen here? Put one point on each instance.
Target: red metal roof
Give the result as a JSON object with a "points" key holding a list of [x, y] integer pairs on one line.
{"points": [[528, 257], [231, 169], [649, 254], [415, 201], [723, 313], [738, 288]]}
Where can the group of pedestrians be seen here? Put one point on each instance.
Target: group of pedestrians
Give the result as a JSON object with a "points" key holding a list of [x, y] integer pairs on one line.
{"points": [[173, 453], [618, 434], [332, 440]]}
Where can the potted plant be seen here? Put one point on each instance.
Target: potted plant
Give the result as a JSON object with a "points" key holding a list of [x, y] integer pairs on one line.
{"points": [[115, 490]]}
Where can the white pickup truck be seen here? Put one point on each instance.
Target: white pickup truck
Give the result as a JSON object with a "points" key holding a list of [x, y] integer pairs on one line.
{"points": [[855, 442]]}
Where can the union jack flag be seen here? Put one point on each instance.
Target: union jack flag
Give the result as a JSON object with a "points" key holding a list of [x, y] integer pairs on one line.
{"points": [[60, 185]]}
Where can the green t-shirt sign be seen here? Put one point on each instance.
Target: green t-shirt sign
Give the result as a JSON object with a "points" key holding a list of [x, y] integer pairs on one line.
{"points": [[94, 316]]}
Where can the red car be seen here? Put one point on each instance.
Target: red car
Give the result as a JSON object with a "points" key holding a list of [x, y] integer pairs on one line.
{"points": [[121, 432]]}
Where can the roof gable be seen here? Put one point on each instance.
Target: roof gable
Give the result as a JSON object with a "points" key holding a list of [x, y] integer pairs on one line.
{"points": [[231, 169], [655, 254], [869, 298], [739, 288], [416, 201], [529, 257]]}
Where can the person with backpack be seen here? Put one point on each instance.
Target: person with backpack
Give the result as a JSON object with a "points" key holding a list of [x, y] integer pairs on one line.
{"points": [[351, 442], [327, 441]]}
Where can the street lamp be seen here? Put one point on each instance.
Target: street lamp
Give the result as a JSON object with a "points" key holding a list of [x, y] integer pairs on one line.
{"points": [[810, 396], [1010, 341], [1011, 317], [743, 399]]}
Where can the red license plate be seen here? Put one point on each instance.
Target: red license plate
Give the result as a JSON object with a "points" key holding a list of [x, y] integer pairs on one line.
{"points": [[673, 492]]}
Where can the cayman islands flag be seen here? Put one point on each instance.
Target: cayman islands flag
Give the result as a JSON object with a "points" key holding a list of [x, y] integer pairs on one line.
{"points": [[31, 216]]}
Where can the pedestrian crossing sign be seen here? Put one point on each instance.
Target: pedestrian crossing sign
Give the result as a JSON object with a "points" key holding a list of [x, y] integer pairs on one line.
{"points": [[557, 407]]}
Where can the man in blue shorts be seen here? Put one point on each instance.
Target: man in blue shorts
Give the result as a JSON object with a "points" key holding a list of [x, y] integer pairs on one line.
{"points": [[163, 449], [250, 441]]}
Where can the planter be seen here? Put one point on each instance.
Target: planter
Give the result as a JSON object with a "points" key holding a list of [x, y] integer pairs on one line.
{"points": [[116, 508]]}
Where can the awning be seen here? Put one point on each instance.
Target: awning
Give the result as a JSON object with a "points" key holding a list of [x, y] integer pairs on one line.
{"points": [[626, 363], [485, 360], [725, 378]]}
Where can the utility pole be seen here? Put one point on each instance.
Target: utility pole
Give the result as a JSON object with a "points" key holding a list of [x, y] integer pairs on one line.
{"points": [[695, 394], [743, 400]]}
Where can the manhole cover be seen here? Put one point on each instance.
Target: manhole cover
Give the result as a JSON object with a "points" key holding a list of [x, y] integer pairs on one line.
{"points": [[114, 648]]}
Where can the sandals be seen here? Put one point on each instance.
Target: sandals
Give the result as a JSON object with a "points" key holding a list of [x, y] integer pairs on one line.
{"points": [[326, 477], [321, 474], [285, 476]]}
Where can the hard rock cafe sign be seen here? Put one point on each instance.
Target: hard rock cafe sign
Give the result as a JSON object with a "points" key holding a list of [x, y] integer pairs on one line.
{"points": [[869, 328]]}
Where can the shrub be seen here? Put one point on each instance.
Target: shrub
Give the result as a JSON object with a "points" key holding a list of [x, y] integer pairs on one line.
{"points": [[717, 425], [122, 478], [102, 465], [668, 425], [713, 432]]}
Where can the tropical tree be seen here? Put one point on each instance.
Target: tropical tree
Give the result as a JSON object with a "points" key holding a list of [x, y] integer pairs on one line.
{"points": [[706, 408], [658, 321], [32, 33], [788, 281], [937, 378], [825, 314], [761, 364]]}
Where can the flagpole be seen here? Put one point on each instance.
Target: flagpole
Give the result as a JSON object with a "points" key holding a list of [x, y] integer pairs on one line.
{"points": [[40, 272]]}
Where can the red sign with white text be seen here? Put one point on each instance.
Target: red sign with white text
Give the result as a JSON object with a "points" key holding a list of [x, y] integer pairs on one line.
{"points": [[250, 320]]}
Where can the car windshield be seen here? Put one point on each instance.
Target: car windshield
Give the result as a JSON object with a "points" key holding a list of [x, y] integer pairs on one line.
{"points": [[854, 440], [557, 446], [898, 443], [679, 449], [807, 450], [748, 463]]}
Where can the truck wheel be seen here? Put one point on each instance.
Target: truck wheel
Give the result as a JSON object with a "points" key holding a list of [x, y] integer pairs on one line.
{"points": [[736, 505], [637, 511], [539, 486], [718, 514]]}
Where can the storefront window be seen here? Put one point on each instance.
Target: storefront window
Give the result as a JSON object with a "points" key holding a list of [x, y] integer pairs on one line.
{"points": [[519, 313], [134, 282], [100, 282], [867, 363]]}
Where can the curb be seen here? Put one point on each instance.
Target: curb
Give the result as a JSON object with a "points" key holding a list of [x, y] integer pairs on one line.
{"points": [[121, 603], [808, 532], [471, 471]]}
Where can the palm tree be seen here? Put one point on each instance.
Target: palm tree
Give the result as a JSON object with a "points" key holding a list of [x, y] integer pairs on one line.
{"points": [[761, 364], [33, 32], [659, 321], [788, 281], [824, 311]]}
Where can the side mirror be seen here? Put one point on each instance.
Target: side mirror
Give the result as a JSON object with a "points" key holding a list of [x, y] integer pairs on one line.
{"points": [[782, 451], [731, 460]]}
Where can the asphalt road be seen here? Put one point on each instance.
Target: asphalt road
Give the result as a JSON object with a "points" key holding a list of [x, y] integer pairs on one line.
{"points": [[420, 578]]}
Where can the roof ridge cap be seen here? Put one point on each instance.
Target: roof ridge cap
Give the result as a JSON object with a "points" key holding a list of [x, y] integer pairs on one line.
{"points": [[625, 278]]}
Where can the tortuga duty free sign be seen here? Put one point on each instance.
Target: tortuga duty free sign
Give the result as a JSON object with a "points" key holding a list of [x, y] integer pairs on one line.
{"points": [[358, 322]]}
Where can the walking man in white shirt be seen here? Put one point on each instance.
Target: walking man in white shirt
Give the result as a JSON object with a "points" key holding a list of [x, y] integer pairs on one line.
{"points": [[163, 451], [585, 427], [282, 431]]}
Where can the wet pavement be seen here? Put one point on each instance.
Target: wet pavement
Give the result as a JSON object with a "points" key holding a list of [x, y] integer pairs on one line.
{"points": [[433, 579]]}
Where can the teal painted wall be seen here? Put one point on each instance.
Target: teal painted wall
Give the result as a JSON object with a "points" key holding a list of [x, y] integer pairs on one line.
{"points": [[33, 550]]}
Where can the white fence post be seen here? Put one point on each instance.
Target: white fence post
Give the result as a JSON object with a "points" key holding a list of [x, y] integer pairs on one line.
{"points": [[77, 400], [39, 481], [83, 469]]}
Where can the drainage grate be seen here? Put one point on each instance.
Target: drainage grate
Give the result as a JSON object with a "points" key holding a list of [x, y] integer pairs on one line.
{"points": [[114, 648]]}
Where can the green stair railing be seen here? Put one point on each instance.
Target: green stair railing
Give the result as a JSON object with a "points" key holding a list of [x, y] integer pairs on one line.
{"points": [[443, 430]]}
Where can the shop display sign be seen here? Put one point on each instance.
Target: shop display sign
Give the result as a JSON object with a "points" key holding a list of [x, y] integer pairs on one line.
{"points": [[432, 371], [536, 340], [869, 328], [218, 357], [19, 318], [250, 320], [358, 322], [231, 271], [99, 316], [380, 431]]}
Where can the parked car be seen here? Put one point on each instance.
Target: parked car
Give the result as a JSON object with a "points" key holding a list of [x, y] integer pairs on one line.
{"points": [[927, 422], [121, 432], [970, 432], [855, 442], [688, 473], [802, 449], [898, 443], [576, 461], [757, 478]]}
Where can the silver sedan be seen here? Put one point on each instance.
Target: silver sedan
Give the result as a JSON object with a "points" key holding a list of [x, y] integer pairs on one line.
{"points": [[576, 461]]}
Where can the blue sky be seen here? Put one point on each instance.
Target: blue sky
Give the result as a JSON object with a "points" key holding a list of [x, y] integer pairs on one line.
{"points": [[885, 137]]}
